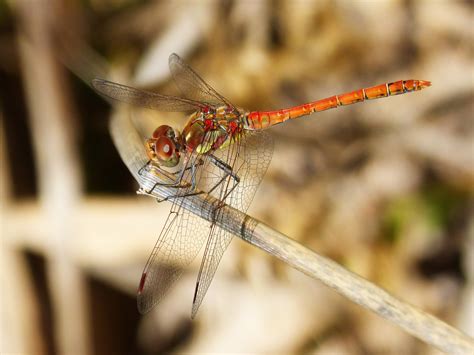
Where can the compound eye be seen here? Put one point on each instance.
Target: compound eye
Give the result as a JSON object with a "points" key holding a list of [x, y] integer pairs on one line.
{"points": [[166, 153], [164, 131]]}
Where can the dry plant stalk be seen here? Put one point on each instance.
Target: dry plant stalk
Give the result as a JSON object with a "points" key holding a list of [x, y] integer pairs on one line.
{"points": [[416, 322], [60, 182]]}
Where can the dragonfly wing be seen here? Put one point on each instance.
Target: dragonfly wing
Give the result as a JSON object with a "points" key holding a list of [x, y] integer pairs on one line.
{"points": [[249, 157], [192, 85], [179, 242], [250, 163], [144, 98], [181, 238], [216, 245]]}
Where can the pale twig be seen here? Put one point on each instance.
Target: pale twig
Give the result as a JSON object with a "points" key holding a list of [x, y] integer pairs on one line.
{"points": [[19, 325], [57, 160], [418, 323]]}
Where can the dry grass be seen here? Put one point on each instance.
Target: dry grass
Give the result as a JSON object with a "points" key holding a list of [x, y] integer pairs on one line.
{"points": [[384, 188]]}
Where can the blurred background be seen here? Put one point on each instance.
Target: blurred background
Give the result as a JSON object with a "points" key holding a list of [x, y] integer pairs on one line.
{"points": [[384, 188]]}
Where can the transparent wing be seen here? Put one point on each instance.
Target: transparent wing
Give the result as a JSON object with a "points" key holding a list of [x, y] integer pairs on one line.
{"points": [[144, 98], [180, 240], [249, 157], [192, 86], [184, 233], [216, 245]]}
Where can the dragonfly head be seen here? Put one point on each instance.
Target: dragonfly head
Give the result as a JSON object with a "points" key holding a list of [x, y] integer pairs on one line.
{"points": [[163, 147]]}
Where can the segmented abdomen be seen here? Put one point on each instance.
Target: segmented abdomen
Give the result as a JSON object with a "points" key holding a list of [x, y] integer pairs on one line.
{"points": [[265, 119]]}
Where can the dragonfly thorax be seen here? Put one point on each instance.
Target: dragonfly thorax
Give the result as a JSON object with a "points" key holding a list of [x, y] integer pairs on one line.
{"points": [[211, 130]]}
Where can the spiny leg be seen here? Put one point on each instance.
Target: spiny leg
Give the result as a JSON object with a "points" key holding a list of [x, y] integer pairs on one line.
{"points": [[227, 172], [226, 191], [177, 176]]}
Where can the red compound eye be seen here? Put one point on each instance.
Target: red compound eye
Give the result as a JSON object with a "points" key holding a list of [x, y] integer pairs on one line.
{"points": [[164, 148], [166, 153], [163, 130]]}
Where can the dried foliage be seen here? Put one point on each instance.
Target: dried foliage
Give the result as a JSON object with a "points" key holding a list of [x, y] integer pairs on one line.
{"points": [[384, 188]]}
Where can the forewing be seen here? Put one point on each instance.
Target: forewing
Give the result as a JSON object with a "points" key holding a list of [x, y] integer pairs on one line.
{"points": [[249, 157], [144, 98], [192, 86]]}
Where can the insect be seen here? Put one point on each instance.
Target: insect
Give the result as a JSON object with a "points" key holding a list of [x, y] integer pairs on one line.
{"points": [[223, 151]]}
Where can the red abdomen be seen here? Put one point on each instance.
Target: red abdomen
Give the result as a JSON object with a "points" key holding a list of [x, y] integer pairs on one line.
{"points": [[264, 119]]}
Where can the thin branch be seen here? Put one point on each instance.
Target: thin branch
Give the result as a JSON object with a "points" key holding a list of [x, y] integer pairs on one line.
{"points": [[20, 325], [51, 116], [416, 322]]}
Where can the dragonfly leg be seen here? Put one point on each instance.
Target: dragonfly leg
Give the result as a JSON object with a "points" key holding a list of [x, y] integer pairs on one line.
{"points": [[222, 201], [193, 183], [228, 172], [193, 172], [151, 167], [176, 177], [226, 168], [178, 196], [143, 168], [174, 184]]}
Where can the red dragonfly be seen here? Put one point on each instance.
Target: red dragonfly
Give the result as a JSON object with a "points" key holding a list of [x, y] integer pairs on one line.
{"points": [[224, 151]]}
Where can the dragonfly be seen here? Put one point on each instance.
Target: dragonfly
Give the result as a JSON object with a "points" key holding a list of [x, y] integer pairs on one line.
{"points": [[223, 151]]}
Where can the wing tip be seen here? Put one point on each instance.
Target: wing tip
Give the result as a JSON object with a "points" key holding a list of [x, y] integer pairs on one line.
{"points": [[143, 305], [142, 308], [173, 56], [98, 83]]}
